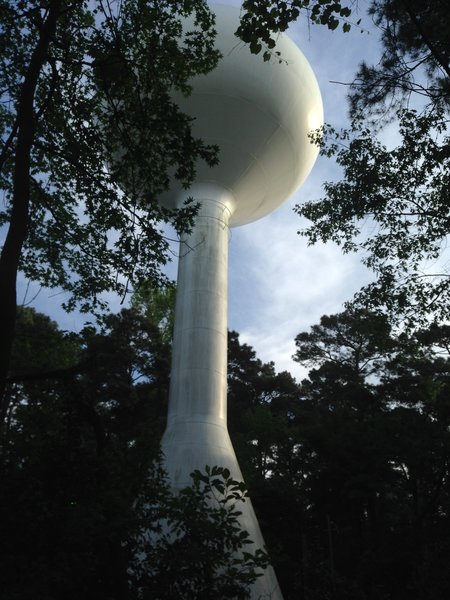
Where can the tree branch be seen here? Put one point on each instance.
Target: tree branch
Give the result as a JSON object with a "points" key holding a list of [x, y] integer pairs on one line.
{"points": [[426, 40], [17, 232]]}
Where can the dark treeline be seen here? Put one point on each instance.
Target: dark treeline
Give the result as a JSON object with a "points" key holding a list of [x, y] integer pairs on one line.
{"points": [[348, 471], [85, 509]]}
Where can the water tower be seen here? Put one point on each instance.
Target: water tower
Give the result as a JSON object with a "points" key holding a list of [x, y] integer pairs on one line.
{"points": [[259, 114]]}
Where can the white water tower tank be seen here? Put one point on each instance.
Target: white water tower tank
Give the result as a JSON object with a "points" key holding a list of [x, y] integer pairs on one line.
{"points": [[259, 114]]}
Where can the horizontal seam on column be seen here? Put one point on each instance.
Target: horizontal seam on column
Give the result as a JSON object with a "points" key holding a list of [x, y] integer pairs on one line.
{"points": [[203, 421], [194, 328], [184, 369], [200, 290], [193, 444], [202, 327], [213, 218]]}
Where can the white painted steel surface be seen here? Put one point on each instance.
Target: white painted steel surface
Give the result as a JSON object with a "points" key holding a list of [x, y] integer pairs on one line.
{"points": [[260, 115], [198, 386], [196, 433]]}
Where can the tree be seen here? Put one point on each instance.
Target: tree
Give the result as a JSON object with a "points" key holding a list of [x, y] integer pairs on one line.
{"points": [[197, 549], [377, 465], [85, 509], [414, 60], [258, 400], [355, 340], [64, 94], [158, 306], [392, 203], [74, 458], [349, 471]]}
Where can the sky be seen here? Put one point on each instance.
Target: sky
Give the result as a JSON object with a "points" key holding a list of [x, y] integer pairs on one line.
{"points": [[278, 286]]}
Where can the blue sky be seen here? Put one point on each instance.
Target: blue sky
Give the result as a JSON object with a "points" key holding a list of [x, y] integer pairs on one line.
{"points": [[277, 285]]}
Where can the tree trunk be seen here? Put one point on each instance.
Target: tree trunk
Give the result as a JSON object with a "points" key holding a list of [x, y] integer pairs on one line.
{"points": [[17, 232]]}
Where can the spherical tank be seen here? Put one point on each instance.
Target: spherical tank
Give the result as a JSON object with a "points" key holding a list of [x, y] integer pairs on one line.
{"points": [[259, 114]]}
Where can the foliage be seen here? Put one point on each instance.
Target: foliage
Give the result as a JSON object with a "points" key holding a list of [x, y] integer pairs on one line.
{"points": [[392, 205], [79, 485], [158, 306], [41, 345], [86, 112], [73, 459], [354, 504], [262, 20], [349, 472], [353, 339], [85, 234], [414, 60], [196, 548], [256, 394]]}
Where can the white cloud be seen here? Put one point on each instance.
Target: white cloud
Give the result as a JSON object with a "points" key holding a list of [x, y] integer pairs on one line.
{"points": [[279, 286]]}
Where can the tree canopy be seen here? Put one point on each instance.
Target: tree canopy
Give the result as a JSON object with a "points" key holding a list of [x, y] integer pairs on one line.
{"points": [[391, 205], [391, 202], [348, 471], [85, 104], [415, 57], [85, 508]]}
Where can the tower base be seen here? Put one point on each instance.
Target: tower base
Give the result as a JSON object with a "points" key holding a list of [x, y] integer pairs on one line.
{"points": [[193, 445]]}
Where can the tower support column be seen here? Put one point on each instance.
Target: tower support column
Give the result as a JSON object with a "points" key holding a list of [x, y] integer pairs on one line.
{"points": [[196, 434]]}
